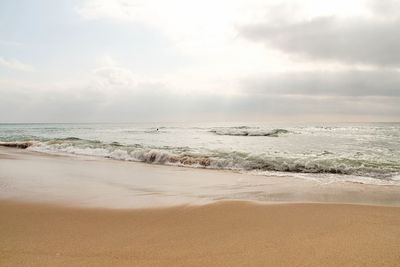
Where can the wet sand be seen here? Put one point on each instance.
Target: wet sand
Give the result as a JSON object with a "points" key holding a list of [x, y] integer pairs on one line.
{"points": [[221, 234], [97, 182]]}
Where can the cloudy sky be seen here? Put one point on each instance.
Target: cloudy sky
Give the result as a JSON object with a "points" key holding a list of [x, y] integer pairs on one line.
{"points": [[210, 60]]}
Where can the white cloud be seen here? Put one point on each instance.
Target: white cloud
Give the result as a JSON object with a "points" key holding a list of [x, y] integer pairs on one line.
{"points": [[111, 77], [186, 23], [10, 43], [15, 65], [385, 9], [202, 32], [205, 32]]}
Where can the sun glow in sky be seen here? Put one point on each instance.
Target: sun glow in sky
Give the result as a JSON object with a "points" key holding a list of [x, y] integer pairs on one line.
{"points": [[153, 60]]}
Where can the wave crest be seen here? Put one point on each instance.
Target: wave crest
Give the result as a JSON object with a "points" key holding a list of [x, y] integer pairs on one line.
{"points": [[230, 160], [240, 131]]}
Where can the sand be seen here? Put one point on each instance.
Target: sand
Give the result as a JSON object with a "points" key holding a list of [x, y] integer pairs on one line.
{"points": [[67, 211], [221, 234]]}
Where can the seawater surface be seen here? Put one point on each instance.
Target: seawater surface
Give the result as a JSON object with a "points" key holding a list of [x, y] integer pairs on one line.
{"points": [[357, 152]]}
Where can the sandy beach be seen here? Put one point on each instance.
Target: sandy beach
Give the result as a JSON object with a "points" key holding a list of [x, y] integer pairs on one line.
{"points": [[222, 234], [81, 211]]}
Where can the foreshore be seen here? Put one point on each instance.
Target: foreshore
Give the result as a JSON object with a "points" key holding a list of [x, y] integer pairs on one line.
{"points": [[103, 183], [68, 211]]}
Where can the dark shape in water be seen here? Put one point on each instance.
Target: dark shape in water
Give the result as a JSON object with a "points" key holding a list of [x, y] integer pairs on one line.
{"points": [[229, 132], [22, 145]]}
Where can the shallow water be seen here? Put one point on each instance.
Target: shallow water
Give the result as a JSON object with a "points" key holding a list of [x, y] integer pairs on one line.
{"points": [[357, 152]]}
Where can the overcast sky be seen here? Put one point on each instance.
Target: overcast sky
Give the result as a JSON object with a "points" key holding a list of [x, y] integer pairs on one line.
{"points": [[209, 60]]}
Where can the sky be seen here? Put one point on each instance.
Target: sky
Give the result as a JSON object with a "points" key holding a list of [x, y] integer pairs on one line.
{"points": [[210, 60]]}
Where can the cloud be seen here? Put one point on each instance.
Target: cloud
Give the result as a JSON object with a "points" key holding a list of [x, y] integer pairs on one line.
{"points": [[15, 65], [385, 8], [10, 43], [296, 99], [114, 9], [349, 40], [182, 60], [383, 83], [114, 76], [193, 27]]}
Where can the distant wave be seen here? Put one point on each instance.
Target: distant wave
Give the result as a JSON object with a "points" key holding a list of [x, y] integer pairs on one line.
{"points": [[247, 131], [72, 138]]}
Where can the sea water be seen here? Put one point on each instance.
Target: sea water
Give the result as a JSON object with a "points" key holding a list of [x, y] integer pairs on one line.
{"points": [[357, 152]]}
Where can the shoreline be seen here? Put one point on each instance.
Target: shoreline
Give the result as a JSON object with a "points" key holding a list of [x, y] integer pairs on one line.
{"points": [[305, 170], [220, 234], [95, 182]]}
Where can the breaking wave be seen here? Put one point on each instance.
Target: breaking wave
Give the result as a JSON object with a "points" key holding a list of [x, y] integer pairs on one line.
{"points": [[216, 159], [248, 131], [17, 144]]}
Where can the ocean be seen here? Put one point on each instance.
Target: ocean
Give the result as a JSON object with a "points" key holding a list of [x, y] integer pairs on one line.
{"points": [[351, 152]]}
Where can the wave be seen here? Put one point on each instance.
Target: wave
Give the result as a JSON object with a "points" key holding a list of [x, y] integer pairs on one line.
{"points": [[247, 131], [217, 159], [17, 144], [72, 138]]}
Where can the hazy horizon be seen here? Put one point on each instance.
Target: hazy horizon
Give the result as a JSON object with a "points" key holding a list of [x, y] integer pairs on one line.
{"points": [[135, 61], [232, 122]]}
